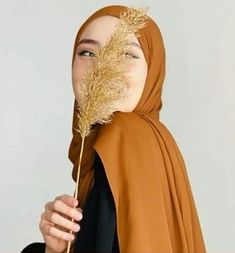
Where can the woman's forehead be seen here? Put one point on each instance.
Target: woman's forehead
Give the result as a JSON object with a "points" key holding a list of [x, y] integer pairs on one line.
{"points": [[101, 28]]}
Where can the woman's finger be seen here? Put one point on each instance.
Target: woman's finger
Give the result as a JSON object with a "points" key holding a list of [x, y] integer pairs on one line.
{"points": [[67, 199], [50, 230], [57, 219], [61, 207]]}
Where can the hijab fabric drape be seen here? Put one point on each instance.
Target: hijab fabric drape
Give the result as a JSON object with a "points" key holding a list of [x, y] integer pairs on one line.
{"points": [[155, 207]]}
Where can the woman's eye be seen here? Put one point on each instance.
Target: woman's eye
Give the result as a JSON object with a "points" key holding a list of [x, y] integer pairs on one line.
{"points": [[131, 55], [87, 53]]}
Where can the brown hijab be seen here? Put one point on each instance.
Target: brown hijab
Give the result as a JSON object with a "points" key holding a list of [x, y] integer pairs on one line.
{"points": [[155, 208]]}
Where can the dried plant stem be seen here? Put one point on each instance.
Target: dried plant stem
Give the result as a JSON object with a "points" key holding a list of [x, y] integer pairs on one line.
{"points": [[103, 85], [77, 181]]}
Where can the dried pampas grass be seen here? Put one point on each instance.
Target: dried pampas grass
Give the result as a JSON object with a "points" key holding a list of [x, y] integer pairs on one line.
{"points": [[105, 83]]}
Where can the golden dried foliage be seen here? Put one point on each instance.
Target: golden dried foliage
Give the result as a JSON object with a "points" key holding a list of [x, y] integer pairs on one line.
{"points": [[105, 81]]}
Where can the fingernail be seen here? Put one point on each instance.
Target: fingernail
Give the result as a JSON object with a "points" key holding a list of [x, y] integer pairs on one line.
{"points": [[78, 216]]}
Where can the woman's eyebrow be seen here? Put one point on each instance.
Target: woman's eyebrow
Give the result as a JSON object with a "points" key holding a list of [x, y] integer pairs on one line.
{"points": [[88, 41], [135, 44], [95, 42]]}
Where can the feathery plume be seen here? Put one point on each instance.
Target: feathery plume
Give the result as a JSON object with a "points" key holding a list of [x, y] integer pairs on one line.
{"points": [[104, 84]]}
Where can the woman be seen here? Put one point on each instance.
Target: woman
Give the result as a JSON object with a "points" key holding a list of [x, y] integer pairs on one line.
{"points": [[132, 166]]}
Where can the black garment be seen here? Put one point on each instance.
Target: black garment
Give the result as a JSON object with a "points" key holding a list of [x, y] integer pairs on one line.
{"points": [[98, 226], [35, 247]]}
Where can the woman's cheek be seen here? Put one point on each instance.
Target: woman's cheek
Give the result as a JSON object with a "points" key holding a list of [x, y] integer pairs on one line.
{"points": [[76, 90], [78, 72], [132, 79]]}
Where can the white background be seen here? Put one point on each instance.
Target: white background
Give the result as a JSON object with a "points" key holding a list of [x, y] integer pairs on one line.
{"points": [[36, 105]]}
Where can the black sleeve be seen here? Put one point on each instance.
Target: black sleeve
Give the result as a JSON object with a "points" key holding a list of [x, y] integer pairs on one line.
{"points": [[35, 247]]}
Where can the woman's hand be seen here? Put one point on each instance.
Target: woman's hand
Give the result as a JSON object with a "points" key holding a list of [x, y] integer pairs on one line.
{"points": [[56, 222]]}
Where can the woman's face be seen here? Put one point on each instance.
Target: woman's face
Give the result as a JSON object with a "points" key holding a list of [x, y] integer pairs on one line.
{"points": [[95, 36]]}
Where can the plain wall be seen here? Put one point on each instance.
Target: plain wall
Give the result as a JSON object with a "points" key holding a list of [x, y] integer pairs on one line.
{"points": [[36, 106]]}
